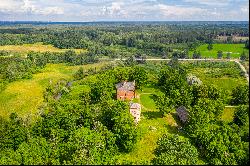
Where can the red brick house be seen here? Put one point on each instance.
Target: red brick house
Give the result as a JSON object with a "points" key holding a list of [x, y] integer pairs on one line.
{"points": [[125, 90]]}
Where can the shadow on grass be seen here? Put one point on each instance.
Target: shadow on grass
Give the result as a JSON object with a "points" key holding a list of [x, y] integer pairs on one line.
{"points": [[171, 129], [176, 118], [152, 114]]}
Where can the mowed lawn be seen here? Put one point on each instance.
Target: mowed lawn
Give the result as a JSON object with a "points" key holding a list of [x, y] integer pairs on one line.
{"points": [[25, 96], [234, 49], [37, 47]]}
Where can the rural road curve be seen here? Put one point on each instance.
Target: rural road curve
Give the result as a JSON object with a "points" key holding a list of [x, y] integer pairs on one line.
{"points": [[206, 59]]}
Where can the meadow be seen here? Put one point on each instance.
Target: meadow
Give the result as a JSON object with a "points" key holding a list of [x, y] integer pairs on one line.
{"points": [[234, 49], [25, 96], [37, 47]]}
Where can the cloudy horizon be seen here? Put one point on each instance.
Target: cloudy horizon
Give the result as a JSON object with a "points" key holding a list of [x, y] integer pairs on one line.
{"points": [[124, 10]]}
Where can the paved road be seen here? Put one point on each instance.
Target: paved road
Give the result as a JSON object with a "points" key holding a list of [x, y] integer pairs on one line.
{"points": [[206, 59]]}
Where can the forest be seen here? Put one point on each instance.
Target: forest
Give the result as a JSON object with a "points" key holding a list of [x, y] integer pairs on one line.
{"points": [[79, 119]]}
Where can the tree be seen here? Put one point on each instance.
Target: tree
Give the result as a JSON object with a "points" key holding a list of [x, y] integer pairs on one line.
{"points": [[196, 55], [240, 95], [36, 152], [219, 54], [130, 61], [13, 132], [228, 55], [241, 116], [247, 44], [118, 119], [163, 103], [204, 112], [243, 56], [87, 147], [210, 46], [139, 74], [175, 150]]}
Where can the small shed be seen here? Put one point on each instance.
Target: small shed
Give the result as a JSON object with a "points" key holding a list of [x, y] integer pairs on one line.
{"points": [[182, 113], [135, 110]]}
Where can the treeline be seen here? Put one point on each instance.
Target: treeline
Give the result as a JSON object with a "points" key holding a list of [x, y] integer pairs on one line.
{"points": [[155, 40]]}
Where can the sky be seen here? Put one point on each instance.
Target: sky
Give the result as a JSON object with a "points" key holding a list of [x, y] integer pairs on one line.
{"points": [[124, 10]]}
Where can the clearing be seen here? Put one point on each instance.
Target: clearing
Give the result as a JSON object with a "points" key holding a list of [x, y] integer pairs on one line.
{"points": [[37, 47], [25, 96]]}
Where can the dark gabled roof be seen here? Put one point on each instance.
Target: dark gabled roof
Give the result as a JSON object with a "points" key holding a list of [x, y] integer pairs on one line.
{"points": [[127, 86], [182, 113]]}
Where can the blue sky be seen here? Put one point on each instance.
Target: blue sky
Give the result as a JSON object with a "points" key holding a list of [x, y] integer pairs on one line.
{"points": [[124, 10]]}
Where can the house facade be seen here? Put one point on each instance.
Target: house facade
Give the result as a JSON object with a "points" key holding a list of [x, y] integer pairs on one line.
{"points": [[135, 110], [125, 90]]}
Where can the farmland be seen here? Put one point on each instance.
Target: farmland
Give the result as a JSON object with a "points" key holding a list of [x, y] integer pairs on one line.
{"points": [[235, 50]]}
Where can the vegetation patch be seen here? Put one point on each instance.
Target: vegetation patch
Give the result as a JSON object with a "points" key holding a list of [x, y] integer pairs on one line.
{"points": [[235, 50], [37, 47], [25, 96], [228, 114]]}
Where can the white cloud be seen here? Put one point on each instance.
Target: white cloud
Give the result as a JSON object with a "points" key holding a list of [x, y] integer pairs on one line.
{"points": [[179, 11], [210, 2], [28, 6], [86, 10]]}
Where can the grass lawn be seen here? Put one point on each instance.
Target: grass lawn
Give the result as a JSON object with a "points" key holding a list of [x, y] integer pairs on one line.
{"points": [[37, 47], [25, 96], [228, 114], [235, 49]]}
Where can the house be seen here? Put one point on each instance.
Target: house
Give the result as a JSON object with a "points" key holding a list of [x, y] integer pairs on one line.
{"points": [[125, 90], [182, 113], [135, 110]]}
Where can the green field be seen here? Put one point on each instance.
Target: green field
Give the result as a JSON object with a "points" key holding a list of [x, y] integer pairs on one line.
{"points": [[37, 47], [224, 82], [25, 96], [228, 114], [235, 49]]}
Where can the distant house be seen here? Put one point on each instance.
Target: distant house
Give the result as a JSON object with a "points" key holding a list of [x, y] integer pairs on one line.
{"points": [[182, 113], [135, 110], [125, 90]]}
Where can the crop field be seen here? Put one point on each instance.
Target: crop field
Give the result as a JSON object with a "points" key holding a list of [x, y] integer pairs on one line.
{"points": [[234, 49], [37, 47], [25, 96]]}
